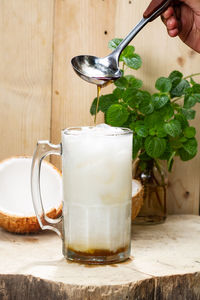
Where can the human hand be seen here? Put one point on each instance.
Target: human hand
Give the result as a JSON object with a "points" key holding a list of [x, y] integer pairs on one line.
{"points": [[183, 19]]}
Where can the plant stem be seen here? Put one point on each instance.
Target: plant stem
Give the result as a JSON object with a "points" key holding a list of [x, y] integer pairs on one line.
{"points": [[192, 75], [159, 170]]}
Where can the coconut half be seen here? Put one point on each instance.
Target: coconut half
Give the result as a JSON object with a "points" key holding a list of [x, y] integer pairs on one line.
{"points": [[16, 208], [137, 197]]}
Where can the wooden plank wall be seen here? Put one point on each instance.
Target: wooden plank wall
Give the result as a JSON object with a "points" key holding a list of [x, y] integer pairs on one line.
{"points": [[39, 92], [25, 74]]}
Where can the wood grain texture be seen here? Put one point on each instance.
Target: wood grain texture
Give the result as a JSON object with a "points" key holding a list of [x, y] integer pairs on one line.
{"points": [[164, 266], [81, 27], [26, 29]]}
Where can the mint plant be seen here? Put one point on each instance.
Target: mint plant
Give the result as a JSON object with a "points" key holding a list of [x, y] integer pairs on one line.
{"points": [[160, 121]]}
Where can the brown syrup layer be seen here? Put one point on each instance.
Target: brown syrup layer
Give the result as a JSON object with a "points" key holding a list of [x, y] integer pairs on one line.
{"points": [[98, 252]]}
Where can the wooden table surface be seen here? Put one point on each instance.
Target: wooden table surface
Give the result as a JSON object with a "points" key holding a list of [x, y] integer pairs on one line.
{"points": [[164, 264]]}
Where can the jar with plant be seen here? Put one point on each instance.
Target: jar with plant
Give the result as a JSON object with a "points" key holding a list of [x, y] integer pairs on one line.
{"points": [[160, 123]]}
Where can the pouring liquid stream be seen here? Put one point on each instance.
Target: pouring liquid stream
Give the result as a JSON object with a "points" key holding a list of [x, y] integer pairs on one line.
{"points": [[97, 106], [99, 87]]}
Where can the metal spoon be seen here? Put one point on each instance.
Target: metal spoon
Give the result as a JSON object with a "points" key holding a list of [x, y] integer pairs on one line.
{"points": [[102, 70]]}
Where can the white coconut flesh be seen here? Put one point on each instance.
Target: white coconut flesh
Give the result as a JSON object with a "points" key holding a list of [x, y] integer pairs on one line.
{"points": [[136, 187], [15, 187]]}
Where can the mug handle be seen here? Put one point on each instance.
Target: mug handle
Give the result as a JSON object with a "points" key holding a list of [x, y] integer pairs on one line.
{"points": [[43, 149]]}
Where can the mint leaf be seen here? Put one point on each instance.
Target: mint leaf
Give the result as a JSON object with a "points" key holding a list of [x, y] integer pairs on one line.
{"points": [[159, 100], [184, 155], [114, 43], [182, 120], [189, 101], [144, 96], [153, 121], [173, 128], [145, 105], [137, 145], [189, 149], [166, 112], [179, 89], [133, 62], [188, 113], [133, 82], [160, 132], [197, 97], [152, 131], [191, 146], [127, 53], [175, 74], [146, 109], [116, 115], [189, 132], [141, 130], [121, 83], [118, 93], [155, 146], [163, 84], [105, 101], [129, 97], [196, 88]]}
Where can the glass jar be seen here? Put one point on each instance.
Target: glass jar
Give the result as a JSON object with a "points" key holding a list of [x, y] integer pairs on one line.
{"points": [[154, 180]]}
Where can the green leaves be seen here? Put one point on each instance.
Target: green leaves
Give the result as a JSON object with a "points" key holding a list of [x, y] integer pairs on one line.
{"points": [[188, 113], [189, 149], [121, 83], [141, 130], [133, 61], [137, 145], [163, 84], [128, 81], [160, 121], [128, 55], [189, 132], [114, 43], [173, 128], [179, 89], [159, 100], [144, 100], [155, 146], [116, 115], [189, 101]]}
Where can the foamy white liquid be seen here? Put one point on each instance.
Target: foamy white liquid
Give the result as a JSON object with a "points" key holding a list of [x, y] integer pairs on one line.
{"points": [[97, 188]]}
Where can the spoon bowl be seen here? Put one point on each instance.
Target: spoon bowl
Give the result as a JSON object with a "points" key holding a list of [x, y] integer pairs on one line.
{"points": [[96, 70]]}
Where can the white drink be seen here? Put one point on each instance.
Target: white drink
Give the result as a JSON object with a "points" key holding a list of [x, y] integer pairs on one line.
{"points": [[97, 179]]}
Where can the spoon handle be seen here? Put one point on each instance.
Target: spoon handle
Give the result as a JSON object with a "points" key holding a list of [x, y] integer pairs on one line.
{"points": [[154, 6]]}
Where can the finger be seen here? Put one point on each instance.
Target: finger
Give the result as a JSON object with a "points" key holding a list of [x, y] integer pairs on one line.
{"points": [[171, 23], [168, 13], [173, 32]]}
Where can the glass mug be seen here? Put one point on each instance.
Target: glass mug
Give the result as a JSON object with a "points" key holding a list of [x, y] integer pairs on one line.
{"points": [[97, 188]]}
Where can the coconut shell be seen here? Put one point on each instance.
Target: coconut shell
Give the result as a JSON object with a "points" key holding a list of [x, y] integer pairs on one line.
{"points": [[137, 198], [17, 224]]}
